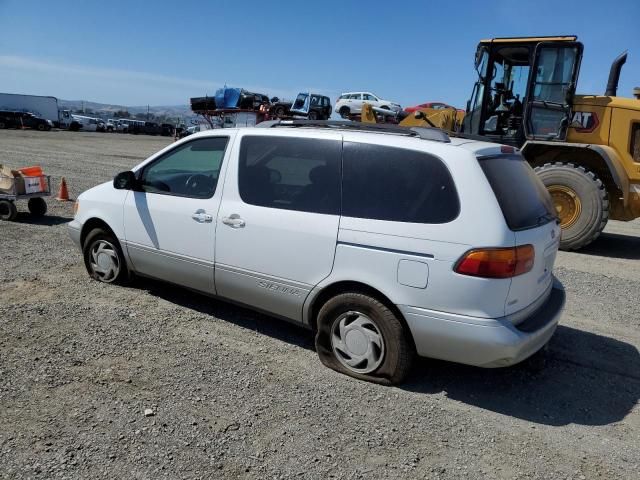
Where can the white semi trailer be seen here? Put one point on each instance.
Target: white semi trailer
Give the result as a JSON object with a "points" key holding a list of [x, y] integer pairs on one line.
{"points": [[44, 107]]}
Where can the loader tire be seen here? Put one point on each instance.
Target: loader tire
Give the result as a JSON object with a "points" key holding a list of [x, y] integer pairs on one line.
{"points": [[581, 202]]}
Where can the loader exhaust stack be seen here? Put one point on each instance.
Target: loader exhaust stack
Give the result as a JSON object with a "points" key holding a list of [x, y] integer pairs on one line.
{"points": [[614, 75]]}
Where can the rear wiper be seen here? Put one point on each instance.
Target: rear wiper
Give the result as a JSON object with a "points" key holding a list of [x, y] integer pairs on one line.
{"points": [[546, 218]]}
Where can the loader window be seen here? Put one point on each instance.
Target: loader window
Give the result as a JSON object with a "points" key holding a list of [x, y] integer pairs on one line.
{"points": [[554, 74], [635, 142], [474, 106], [507, 90]]}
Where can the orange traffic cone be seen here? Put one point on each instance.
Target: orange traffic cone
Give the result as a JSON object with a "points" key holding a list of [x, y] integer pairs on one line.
{"points": [[63, 192]]}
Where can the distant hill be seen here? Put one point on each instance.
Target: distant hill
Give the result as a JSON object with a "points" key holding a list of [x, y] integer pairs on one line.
{"points": [[107, 110]]}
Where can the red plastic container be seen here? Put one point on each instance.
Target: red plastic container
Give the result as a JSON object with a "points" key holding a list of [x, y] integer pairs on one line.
{"points": [[31, 171]]}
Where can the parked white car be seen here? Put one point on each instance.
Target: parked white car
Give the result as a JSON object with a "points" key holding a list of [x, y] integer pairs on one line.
{"points": [[386, 242], [351, 103]]}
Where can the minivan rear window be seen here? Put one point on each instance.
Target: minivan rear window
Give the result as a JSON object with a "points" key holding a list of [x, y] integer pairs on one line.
{"points": [[522, 196], [396, 184]]}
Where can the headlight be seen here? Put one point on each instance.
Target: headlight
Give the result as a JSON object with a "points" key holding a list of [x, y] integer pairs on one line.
{"points": [[50, 122], [76, 207]]}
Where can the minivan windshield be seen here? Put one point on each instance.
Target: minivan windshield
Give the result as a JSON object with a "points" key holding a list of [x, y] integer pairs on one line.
{"points": [[522, 196]]}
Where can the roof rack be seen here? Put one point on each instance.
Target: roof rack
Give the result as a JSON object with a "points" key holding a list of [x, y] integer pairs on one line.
{"points": [[426, 133]]}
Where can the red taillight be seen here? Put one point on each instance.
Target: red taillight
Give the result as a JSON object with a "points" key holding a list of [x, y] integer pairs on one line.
{"points": [[497, 262]]}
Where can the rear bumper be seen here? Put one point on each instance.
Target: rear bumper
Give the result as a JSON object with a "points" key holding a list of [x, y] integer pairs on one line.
{"points": [[484, 342]]}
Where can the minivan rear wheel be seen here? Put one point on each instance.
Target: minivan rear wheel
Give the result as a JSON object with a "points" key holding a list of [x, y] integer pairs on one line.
{"points": [[361, 337]]}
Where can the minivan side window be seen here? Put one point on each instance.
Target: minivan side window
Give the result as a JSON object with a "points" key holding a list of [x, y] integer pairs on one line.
{"points": [[190, 170], [398, 185], [290, 173]]}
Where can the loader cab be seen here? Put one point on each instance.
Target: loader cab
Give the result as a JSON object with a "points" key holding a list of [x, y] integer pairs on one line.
{"points": [[524, 90]]}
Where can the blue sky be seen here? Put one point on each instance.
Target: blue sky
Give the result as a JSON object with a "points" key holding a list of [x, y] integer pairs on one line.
{"points": [[163, 52]]}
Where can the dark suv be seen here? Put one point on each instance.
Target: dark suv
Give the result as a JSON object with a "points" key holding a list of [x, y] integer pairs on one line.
{"points": [[11, 119], [312, 105]]}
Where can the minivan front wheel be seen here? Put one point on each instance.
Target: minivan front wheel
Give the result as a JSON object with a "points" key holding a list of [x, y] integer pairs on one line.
{"points": [[103, 257], [360, 336]]}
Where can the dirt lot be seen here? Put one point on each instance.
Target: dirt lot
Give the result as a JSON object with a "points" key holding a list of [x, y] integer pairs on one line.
{"points": [[236, 394]]}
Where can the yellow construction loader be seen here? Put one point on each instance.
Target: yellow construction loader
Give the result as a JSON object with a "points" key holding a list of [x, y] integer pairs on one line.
{"points": [[586, 148], [445, 118]]}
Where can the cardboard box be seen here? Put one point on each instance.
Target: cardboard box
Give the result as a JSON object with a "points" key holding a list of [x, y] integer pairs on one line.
{"points": [[19, 182], [12, 181], [6, 180]]}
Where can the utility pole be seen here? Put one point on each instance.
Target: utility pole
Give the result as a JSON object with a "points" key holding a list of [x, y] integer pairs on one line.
{"points": [[147, 112]]}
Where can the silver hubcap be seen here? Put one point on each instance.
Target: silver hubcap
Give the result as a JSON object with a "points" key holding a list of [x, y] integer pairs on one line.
{"points": [[104, 261], [357, 343]]}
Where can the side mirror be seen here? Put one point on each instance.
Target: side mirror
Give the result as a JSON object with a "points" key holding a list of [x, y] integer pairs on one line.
{"points": [[125, 181]]}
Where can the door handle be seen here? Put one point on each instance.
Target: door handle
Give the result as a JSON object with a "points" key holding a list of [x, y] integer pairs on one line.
{"points": [[234, 221], [202, 217]]}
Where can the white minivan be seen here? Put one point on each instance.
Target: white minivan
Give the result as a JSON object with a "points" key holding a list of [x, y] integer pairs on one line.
{"points": [[387, 242]]}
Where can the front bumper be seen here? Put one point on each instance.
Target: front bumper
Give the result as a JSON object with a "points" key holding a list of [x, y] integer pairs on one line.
{"points": [[484, 342], [74, 228]]}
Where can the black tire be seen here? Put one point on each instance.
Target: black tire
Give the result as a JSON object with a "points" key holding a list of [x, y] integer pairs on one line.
{"points": [[592, 196], [42, 127], [95, 238], [37, 206], [3, 125], [344, 112], [313, 115], [8, 210], [398, 350], [279, 111]]}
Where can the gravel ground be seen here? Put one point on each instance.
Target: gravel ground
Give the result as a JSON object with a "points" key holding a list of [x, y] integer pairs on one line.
{"points": [[236, 394]]}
